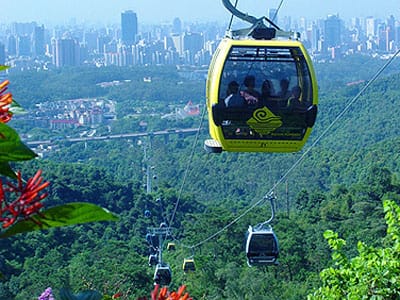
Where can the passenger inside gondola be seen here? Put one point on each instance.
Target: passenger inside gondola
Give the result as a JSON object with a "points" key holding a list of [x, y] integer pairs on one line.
{"points": [[266, 98], [250, 94], [295, 103], [234, 99], [284, 93]]}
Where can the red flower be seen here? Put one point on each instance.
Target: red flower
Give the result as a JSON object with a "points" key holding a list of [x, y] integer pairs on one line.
{"points": [[117, 295], [26, 199], [165, 295], [5, 102]]}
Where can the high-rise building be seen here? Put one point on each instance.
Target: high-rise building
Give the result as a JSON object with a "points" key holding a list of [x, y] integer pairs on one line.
{"points": [[90, 40], [370, 26], [2, 54], [129, 27], [67, 52], [193, 42], [24, 45], [177, 26], [38, 42], [332, 31], [11, 45]]}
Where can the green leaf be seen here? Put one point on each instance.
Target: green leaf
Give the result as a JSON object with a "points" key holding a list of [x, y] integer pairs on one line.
{"points": [[11, 147], [6, 170], [63, 215], [16, 108], [2, 67]]}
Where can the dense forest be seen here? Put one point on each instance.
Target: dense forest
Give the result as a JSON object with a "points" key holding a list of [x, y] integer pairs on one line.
{"points": [[339, 185]]}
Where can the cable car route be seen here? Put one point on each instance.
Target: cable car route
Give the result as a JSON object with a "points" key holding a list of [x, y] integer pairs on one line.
{"points": [[262, 246]]}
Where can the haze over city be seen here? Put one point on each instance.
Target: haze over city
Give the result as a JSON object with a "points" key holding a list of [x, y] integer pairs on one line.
{"points": [[156, 11]]}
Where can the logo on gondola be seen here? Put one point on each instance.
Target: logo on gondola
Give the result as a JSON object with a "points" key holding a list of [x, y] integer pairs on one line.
{"points": [[264, 121]]}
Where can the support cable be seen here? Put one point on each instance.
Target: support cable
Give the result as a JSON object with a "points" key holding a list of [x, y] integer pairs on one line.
{"points": [[171, 220]]}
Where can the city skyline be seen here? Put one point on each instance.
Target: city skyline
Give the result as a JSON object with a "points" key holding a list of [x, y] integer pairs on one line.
{"points": [[159, 11]]}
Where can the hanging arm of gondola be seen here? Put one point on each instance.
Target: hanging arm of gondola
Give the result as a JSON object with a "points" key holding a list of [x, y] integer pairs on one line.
{"points": [[258, 29], [234, 11], [270, 197]]}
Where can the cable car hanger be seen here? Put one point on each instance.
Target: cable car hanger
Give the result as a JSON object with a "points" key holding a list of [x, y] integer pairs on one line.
{"points": [[271, 197], [258, 30]]}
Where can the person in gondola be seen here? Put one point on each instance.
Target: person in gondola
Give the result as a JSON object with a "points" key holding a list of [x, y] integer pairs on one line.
{"points": [[250, 94], [267, 90], [284, 93], [234, 99], [295, 104]]}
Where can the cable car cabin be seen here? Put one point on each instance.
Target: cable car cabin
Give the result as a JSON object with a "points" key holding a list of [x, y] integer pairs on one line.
{"points": [[188, 265], [262, 247], [153, 240], [162, 274], [261, 96], [153, 260], [171, 246]]}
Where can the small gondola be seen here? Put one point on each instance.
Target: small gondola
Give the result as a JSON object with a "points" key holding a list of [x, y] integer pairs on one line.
{"points": [[261, 91], [262, 247], [171, 246], [162, 274], [188, 265], [153, 260]]}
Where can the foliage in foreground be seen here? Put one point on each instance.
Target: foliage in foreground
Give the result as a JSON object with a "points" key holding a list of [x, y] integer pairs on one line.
{"points": [[373, 274]]}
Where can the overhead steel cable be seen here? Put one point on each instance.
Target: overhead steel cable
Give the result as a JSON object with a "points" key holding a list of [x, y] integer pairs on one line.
{"points": [[171, 220]]}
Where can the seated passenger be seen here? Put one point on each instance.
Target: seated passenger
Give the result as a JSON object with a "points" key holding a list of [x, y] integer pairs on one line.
{"points": [[267, 90], [234, 99], [284, 92], [295, 104], [250, 94]]}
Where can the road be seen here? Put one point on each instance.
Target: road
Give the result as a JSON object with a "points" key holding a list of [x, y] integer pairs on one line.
{"points": [[185, 131]]}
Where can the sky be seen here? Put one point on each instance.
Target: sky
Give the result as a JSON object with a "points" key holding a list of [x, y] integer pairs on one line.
{"points": [[159, 11]]}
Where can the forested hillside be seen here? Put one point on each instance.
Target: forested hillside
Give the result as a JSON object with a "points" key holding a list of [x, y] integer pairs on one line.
{"points": [[338, 185]]}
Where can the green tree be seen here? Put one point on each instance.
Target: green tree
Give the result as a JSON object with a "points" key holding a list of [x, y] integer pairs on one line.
{"points": [[373, 274]]}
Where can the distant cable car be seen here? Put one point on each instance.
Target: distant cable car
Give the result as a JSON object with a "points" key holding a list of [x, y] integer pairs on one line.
{"points": [[162, 274], [171, 246], [153, 240], [153, 260], [262, 247], [188, 265], [261, 91]]}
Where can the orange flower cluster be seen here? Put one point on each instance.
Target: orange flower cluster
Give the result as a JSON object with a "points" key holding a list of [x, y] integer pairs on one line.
{"points": [[5, 102], [163, 294], [27, 199]]}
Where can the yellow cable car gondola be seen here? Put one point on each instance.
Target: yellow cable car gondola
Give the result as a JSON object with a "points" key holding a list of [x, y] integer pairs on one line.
{"points": [[261, 90], [171, 246], [188, 265]]}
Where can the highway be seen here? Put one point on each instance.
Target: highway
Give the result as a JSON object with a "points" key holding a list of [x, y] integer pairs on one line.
{"points": [[185, 131]]}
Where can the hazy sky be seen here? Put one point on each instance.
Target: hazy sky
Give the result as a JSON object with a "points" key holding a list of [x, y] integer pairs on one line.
{"points": [[156, 11]]}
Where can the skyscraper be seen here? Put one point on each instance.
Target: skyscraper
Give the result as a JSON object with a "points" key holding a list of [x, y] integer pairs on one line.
{"points": [[67, 52], [11, 45], [38, 41], [129, 27], [371, 25], [2, 54], [177, 26], [332, 31], [24, 45]]}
